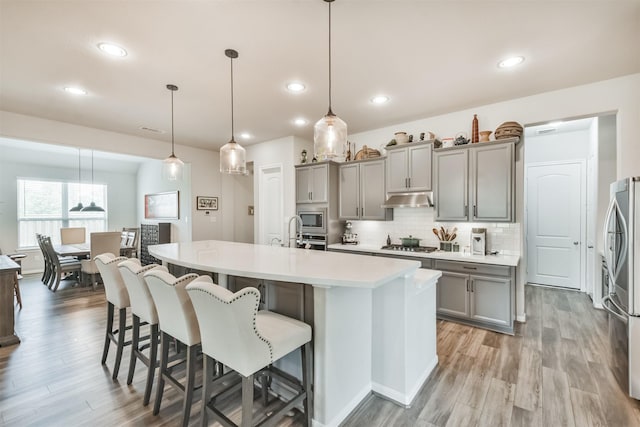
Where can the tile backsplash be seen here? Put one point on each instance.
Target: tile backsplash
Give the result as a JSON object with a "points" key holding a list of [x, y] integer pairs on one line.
{"points": [[419, 222]]}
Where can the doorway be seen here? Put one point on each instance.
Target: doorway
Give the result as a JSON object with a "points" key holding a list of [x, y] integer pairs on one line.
{"points": [[243, 206], [270, 204]]}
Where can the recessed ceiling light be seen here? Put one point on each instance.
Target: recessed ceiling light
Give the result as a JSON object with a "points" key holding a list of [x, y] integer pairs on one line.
{"points": [[112, 49], [300, 121], [245, 135], [511, 62], [380, 99], [75, 90], [295, 87]]}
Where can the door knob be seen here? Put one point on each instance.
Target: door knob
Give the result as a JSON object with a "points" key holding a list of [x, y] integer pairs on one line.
{"points": [[590, 247], [576, 243]]}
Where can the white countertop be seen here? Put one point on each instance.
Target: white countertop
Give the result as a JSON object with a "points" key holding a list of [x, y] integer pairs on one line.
{"points": [[317, 268], [509, 260]]}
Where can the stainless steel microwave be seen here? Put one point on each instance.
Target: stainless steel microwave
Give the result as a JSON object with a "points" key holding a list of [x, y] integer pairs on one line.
{"points": [[314, 220]]}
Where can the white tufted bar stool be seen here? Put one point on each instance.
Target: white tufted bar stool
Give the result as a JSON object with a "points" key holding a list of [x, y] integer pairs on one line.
{"points": [[177, 320], [117, 297], [143, 310], [246, 340]]}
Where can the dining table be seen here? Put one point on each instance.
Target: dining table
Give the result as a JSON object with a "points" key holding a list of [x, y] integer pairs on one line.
{"points": [[83, 250]]}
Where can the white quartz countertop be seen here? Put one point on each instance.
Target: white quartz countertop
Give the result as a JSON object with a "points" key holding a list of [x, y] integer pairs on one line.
{"points": [[317, 268], [508, 260]]}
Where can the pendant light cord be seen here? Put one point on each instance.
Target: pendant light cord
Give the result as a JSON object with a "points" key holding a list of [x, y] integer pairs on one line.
{"points": [[172, 153], [232, 128], [330, 112]]}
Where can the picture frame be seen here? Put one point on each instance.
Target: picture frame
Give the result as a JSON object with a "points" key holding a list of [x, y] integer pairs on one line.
{"points": [[162, 205], [205, 203]]}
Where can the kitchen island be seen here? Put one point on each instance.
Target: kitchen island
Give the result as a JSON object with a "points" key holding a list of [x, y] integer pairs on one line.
{"points": [[374, 318]]}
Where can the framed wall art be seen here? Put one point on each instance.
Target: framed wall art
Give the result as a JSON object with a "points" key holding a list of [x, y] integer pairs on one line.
{"points": [[162, 205], [204, 203]]}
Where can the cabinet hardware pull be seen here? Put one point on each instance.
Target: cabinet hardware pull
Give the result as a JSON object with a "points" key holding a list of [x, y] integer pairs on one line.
{"points": [[361, 211], [475, 211], [311, 195], [409, 180], [469, 268], [467, 280], [466, 210]]}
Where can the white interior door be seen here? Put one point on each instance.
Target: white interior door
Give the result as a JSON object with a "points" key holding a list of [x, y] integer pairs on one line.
{"points": [[270, 208], [554, 224]]}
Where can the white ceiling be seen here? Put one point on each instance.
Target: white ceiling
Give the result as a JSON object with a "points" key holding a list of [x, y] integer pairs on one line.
{"points": [[429, 57]]}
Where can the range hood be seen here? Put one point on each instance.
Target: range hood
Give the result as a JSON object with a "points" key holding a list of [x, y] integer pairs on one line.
{"points": [[408, 200]]}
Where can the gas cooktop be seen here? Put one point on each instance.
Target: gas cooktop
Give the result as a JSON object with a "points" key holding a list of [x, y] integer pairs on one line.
{"points": [[410, 248]]}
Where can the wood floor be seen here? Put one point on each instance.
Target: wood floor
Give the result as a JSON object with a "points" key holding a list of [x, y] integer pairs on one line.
{"points": [[552, 373]]}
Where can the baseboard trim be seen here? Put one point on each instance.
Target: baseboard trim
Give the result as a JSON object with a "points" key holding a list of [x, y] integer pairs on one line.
{"points": [[522, 318]]}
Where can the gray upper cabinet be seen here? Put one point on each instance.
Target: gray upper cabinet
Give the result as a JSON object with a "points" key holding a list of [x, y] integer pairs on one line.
{"points": [[475, 183], [312, 183], [409, 168], [362, 191]]}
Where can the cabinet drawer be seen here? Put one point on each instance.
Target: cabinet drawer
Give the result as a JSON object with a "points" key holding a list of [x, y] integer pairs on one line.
{"points": [[473, 268]]}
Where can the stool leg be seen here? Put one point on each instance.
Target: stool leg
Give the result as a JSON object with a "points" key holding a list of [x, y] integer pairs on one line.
{"points": [[188, 388], [135, 338], [153, 362], [16, 287], [164, 355], [206, 386], [107, 335], [247, 401], [307, 375], [122, 329]]}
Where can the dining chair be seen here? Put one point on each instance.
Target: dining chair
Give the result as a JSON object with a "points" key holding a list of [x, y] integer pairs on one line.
{"points": [[130, 238], [102, 242], [57, 266], [117, 298], [177, 321], [73, 235], [248, 341], [46, 273], [143, 310]]}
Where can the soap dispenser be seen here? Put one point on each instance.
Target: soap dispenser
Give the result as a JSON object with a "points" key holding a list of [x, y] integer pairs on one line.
{"points": [[388, 240]]}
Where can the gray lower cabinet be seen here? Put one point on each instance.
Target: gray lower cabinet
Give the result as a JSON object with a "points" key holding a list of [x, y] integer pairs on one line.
{"points": [[477, 294]]}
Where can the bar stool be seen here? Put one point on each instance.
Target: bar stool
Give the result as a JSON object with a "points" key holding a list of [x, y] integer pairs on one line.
{"points": [[142, 309], [246, 340], [177, 320], [117, 297]]}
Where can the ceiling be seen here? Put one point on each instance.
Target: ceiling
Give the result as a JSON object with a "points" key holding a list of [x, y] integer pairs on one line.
{"points": [[429, 57]]}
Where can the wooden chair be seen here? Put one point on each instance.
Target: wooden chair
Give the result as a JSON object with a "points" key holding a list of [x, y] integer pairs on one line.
{"points": [[73, 235], [58, 267], [130, 238], [101, 243]]}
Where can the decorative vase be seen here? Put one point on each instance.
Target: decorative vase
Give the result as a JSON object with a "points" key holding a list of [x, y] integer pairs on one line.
{"points": [[401, 137], [484, 135], [474, 129]]}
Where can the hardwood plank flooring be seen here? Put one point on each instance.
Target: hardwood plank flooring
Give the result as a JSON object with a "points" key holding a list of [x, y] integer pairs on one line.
{"points": [[551, 373]]}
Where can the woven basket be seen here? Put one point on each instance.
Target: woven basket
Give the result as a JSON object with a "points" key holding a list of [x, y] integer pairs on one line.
{"points": [[508, 130], [367, 153]]}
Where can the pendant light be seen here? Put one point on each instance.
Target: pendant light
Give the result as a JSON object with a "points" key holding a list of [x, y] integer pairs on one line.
{"points": [[79, 206], [330, 132], [172, 166], [233, 158], [92, 206]]}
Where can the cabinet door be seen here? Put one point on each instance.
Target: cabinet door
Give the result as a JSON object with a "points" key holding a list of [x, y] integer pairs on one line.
{"points": [[420, 168], [491, 183], [397, 170], [349, 194], [372, 194], [319, 183], [451, 169], [490, 299], [303, 185], [452, 294]]}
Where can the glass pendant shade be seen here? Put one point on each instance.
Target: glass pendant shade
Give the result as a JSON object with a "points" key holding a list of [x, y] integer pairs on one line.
{"points": [[172, 168], [233, 159], [329, 137]]}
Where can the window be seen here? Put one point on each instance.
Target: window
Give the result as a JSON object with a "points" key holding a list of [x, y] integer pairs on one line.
{"points": [[43, 207]]}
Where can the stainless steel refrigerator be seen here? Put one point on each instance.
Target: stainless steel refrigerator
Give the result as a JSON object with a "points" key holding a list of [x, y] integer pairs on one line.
{"points": [[622, 255]]}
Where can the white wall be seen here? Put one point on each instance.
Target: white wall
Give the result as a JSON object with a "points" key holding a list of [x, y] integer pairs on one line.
{"points": [[205, 172], [121, 194], [149, 181]]}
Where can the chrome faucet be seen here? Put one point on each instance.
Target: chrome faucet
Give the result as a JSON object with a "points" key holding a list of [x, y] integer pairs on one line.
{"points": [[299, 229]]}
